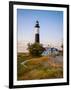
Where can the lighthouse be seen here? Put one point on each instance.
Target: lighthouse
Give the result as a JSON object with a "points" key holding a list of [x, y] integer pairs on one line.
{"points": [[37, 38]]}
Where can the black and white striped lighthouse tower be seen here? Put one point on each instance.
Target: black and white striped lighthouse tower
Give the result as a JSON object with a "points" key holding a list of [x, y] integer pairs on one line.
{"points": [[37, 40]]}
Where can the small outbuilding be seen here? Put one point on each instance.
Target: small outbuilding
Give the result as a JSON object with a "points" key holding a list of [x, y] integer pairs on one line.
{"points": [[50, 51]]}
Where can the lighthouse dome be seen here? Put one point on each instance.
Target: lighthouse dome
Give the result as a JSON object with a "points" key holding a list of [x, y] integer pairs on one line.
{"points": [[37, 24]]}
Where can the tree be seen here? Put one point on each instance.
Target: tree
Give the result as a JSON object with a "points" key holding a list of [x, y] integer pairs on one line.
{"points": [[62, 46], [35, 49]]}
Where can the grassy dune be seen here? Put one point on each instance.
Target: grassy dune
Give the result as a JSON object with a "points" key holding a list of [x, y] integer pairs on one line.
{"points": [[46, 67]]}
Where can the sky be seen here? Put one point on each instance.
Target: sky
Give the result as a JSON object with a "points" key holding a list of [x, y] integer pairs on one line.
{"points": [[51, 27]]}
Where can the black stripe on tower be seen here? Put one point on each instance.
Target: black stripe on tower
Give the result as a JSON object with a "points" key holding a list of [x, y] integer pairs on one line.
{"points": [[36, 38]]}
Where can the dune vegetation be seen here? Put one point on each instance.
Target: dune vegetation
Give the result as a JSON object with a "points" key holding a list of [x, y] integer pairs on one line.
{"points": [[43, 67]]}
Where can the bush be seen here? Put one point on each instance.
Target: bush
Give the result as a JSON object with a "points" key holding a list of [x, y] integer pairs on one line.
{"points": [[35, 49]]}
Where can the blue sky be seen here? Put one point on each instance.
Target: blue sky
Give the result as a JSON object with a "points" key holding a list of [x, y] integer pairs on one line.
{"points": [[51, 25]]}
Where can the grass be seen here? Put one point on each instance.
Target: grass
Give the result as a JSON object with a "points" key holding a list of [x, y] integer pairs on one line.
{"points": [[38, 67]]}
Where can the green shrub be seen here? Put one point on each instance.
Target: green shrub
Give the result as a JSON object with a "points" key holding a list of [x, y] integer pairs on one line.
{"points": [[35, 49]]}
